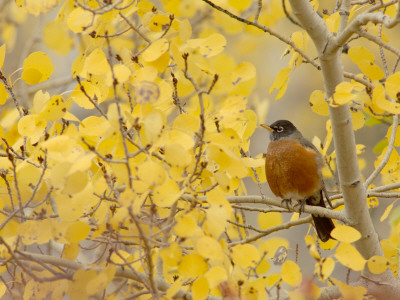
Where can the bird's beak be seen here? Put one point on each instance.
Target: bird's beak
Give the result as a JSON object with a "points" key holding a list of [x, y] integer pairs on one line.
{"points": [[266, 127]]}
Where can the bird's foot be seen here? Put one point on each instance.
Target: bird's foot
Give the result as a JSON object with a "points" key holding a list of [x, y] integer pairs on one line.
{"points": [[286, 201], [301, 203]]}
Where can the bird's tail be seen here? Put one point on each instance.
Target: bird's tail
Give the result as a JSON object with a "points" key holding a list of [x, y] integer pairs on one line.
{"points": [[323, 225]]}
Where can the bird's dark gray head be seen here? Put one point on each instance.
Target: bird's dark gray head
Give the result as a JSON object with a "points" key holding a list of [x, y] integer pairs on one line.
{"points": [[282, 129]]}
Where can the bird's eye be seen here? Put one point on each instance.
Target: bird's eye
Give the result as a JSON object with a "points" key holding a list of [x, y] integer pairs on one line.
{"points": [[279, 129]]}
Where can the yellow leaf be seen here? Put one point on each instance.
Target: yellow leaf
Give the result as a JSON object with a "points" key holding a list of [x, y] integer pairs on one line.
{"points": [[243, 72], [392, 85], [146, 92], [31, 127], [77, 232], [270, 246], [358, 119], [54, 110], [96, 63], [389, 134], [377, 264], [386, 212], [172, 254], [71, 251], [192, 265], [2, 54], [79, 19], [186, 226], [166, 194], [291, 273], [36, 7], [155, 50], [174, 288], [371, 70], [151, 173], [312, 247], [94, 126], [349, 257], [185, 30], [240, 5], [270, 219], [215, 276], [216, 220], [3, 94], [280, 83], [209, 248], [357, 54], [153, 124], [177, 155], [56, 36], [159, 22], [187, 122], [121, 73], [76, 182], [245, 255], [343, 93], [3, 289], [37, 68], [200, 289], [210, 46], [350, 292], [346, 234], [332, 21], [325, 268], [318, 103]]}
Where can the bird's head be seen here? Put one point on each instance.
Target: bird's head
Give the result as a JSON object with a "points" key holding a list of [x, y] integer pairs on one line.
{"points": [[282, 129]]}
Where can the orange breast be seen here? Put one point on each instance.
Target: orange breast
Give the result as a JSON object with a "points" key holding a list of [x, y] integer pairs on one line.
{"points": [[292, 171]]}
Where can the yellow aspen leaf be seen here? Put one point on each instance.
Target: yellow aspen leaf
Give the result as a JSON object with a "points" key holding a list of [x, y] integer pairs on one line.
{"points": [[270, 246], [155, 50], [216, 220], [69, 209], [349, 257], [185, 226], [166, 194], [209, 248], [192, 265], [263, 267], [54, 110], [77, 288], [121, 73], [346, 234], [3, 94], [200, 289], [270, 219], [371, 70], [3, 289], [146, 92], [325, 268], [76, 182], [240, 5], [71, 251], [392, 86], [392, 164], [79, 19], [96, 63], [312, 248], [291, 273], [243, 72], [56, 36], [122, 257], [94, 126], [187, 122], [151, 173], [172, 254], [153, 124], [350, 292], [332, 21], [245, 255], [209, 46], [215, 276], [36, 7], [386, 212], [185, 30], [159, 23], [31, 127], [2, 54], [81, 98], [318, 103], [177, 155], [343, 93], [389, 134], [174, 288], [377, 264], [77, 232], [358, 119], [357, 54], [36, 68], [280, 83], [78, 65]]}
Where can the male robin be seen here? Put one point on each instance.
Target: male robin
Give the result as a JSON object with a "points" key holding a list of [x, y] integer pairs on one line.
{"points": [[292, 167]]}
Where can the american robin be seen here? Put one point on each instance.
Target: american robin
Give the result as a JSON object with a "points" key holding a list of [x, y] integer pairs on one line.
{"points": [[292, 167]]}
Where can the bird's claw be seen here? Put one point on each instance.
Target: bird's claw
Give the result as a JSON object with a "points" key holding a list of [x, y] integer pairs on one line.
{"points": [[286, 201]]}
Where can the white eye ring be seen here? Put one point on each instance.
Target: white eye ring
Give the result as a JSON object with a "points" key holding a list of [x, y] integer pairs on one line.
{"points": [[279, 129]]}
